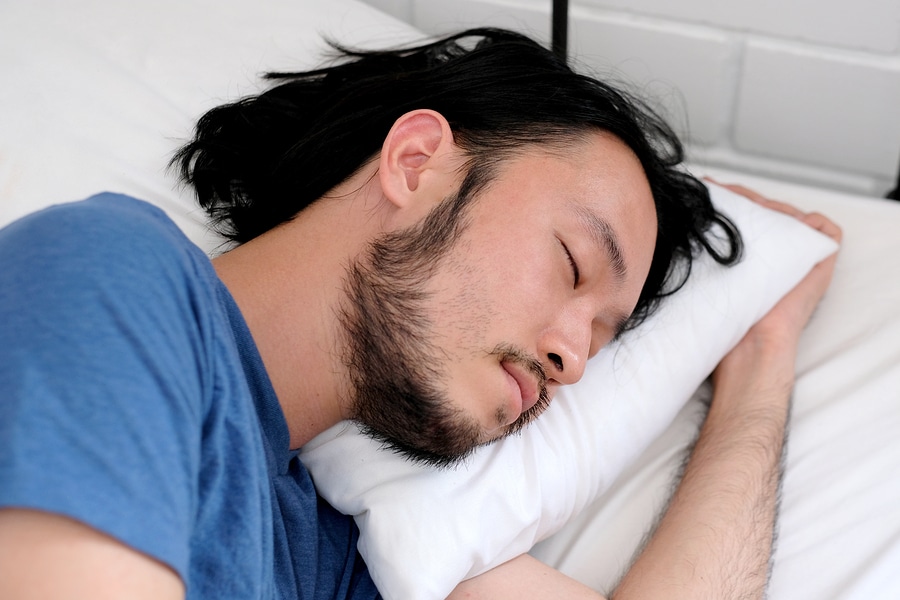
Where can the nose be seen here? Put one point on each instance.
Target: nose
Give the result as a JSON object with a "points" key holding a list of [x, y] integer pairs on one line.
{"points": [[566, 347]]}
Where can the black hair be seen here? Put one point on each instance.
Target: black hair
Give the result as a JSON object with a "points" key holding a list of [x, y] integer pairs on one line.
{"points": [[259, 161]]}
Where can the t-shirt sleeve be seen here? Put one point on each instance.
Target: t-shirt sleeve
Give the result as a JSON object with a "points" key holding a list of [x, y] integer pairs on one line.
{"points": [[101, 374]]}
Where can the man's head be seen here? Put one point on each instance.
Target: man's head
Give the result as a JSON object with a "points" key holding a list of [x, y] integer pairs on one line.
{"points": [[505, 105], [461, 325]]}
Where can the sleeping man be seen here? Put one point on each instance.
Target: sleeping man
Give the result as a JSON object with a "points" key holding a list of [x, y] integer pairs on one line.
{"points": [[428, 241]]}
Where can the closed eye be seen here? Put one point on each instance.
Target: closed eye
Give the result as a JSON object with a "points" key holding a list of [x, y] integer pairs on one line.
{"points": [[575, 273]]}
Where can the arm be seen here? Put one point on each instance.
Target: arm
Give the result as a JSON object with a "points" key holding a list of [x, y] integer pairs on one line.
{"points": [[715, 539], [46, 556]]}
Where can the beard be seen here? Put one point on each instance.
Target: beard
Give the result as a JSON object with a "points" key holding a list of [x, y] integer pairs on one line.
{"points": [[398, 390]]}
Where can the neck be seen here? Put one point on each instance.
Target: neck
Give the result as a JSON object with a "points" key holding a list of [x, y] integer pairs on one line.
{"points": [[289, 286]]}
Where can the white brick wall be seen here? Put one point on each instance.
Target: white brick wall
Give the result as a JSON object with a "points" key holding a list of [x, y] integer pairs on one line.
{"points": [[804, 90], [864, 24]]}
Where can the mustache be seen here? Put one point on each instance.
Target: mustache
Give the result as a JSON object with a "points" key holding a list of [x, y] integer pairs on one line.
{"points": [[534, 366]]}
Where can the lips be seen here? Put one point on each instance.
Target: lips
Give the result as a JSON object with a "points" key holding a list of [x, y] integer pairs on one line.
{"points": [[526, 382]]}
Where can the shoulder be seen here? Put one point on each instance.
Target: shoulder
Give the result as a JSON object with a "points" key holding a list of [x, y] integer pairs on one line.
{"points": [[104, 208], [102, 286], [109, 225], [97, 289], [109, 245]]}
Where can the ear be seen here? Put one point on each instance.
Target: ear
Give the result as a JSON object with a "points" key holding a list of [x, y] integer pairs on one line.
{"points": [[417, 159]]}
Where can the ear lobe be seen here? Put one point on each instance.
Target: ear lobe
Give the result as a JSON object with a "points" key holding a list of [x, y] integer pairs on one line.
{"points": [[414, 157]]}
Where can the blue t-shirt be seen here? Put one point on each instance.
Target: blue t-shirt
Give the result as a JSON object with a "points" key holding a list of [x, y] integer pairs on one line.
{"points": [[133, 399]]}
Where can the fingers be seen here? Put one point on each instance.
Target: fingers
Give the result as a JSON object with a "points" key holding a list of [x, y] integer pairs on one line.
{"points": [[821, 223], [760, 199]]}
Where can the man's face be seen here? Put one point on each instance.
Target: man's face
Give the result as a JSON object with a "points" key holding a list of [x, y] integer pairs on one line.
{"points": [[460, 341]]}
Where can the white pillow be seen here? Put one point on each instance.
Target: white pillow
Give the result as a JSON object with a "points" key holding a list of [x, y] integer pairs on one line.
{"points": [[424, 530]]}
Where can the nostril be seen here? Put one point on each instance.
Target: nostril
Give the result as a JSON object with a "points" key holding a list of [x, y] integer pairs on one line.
{"points": [[556, 359]]}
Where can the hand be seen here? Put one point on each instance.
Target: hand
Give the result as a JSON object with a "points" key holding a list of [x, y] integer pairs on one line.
{"points": [[777, 334]]}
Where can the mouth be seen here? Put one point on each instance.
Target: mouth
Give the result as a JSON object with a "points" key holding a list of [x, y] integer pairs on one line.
{"points": [[528, 389]]}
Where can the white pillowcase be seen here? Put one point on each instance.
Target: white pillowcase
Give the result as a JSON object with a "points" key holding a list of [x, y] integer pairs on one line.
{"points": [[424, 530]]}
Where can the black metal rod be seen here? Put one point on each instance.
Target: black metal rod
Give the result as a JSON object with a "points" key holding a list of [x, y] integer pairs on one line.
{"points": [[894, 194], [559, 18]]}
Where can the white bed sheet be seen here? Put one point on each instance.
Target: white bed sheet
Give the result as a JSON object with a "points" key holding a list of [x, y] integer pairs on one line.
{"points": [[98, 94]]}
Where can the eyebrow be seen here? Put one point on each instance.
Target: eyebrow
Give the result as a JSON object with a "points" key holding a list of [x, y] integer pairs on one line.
{"points": [[604, 237]]}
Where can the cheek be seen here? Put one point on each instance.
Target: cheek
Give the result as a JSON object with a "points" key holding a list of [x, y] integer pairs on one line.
{"points": [[495, 291], [468, 308]]}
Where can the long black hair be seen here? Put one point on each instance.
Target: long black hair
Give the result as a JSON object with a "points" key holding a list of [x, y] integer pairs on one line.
{"points": [[257, 162]]}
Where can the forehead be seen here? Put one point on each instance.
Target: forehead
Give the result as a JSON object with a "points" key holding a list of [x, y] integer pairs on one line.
{"points": [[592, 173]]}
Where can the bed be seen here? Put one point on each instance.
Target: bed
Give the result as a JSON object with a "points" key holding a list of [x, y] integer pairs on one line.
{"points": [[97, 95]]}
